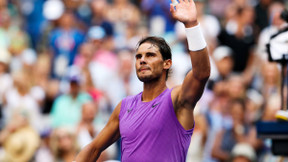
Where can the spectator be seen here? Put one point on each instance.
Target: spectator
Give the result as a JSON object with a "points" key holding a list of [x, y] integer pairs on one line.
{"points": [[240, 36], [243, 152], [216, 116], [276, 24], [64, 41], [102, 47], [34, 20], [223, 63], [157, 11], [19, 140], [20, 97], [102, 62], [239, 132], [12, 37], [63, 144], [99, 16], [66, 110], [122, 13]]}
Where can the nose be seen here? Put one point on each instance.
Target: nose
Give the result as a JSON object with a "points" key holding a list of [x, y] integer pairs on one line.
{"points": [[142, 61]]}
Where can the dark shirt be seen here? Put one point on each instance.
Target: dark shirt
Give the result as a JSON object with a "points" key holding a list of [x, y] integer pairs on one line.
{"points": [[240, 46]]}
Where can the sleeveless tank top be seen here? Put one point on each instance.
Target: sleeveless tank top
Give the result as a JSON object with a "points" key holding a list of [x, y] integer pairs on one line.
{"points": [[151, 132]]}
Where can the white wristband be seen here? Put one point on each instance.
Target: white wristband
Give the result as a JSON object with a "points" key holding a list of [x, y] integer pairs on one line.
{"points": [[195, 38]]}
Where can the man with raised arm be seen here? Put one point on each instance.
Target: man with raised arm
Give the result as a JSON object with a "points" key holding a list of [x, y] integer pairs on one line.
{"points": [[157, 124]]}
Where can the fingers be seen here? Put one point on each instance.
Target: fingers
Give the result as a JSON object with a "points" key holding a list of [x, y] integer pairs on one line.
{"points": [[172, 9], [174, 2]]}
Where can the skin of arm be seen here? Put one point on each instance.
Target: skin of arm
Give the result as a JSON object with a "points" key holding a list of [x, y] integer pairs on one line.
{"points": [[185, 96], [106, 137]]}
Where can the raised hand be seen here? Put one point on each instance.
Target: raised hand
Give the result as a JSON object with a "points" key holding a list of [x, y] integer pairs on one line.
{"points": [[185, 12]]}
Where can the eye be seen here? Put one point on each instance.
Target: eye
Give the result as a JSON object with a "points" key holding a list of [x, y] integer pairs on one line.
{"points": [[138, 56], [150, 54]]}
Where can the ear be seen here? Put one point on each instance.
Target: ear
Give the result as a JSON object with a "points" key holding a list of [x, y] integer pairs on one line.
{"points": [[167, 64]]}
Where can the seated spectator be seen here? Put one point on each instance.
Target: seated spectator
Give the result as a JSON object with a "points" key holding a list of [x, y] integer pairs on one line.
{"points": [[223, 59], [227, 138], [63, 144], [65, 42], [20, 97], [19, 140], [66, 109], [243, 152]]}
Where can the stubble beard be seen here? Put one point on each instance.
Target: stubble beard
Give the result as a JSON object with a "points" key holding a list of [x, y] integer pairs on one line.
{"points": [[148, 78]]}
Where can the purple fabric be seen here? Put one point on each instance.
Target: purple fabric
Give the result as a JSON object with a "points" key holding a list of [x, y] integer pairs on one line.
{"points": [[151, 132]]}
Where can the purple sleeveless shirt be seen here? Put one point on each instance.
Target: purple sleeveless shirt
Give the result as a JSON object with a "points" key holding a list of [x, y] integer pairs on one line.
{"points": [[151, 132]]}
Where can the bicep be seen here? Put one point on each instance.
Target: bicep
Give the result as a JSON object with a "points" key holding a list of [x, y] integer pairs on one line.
{"points": [[189, 92]]}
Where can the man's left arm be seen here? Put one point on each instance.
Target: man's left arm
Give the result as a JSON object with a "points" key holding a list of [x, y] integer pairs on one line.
{"points": [[186, 96]]}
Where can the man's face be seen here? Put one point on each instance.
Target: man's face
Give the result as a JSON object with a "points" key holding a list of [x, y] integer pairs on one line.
{"points": [[149, 62]]}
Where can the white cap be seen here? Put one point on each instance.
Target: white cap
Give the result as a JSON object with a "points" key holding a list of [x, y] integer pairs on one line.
{"points": [[244, 150], [53, 9], [222, 52], [96, 32]]}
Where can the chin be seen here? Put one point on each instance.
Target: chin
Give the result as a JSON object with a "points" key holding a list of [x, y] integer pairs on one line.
{"points": [[148, 78], [145, 80]]}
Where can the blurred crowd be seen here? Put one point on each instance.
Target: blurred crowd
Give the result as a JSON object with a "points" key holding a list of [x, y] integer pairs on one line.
{"points": [[66, 64]]}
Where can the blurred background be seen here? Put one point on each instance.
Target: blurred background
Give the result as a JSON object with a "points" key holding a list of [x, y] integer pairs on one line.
{"points": [[66, 64]]}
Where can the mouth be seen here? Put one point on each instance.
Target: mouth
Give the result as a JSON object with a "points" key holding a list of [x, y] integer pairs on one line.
{"points": [[143, 69]]}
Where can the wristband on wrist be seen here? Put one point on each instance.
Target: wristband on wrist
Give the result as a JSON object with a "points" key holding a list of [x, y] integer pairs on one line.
{"points": [[195, 38]]}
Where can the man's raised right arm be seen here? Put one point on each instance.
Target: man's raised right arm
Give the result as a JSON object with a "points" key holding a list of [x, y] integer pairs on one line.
{"points": [[104, 139]]}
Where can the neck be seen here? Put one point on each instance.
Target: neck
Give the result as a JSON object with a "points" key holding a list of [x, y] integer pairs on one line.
{"points": [[153, 89]]}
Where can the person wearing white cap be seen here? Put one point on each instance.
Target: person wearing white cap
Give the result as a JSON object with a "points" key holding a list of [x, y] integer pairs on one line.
{"points": [[223, 57], [222, 64], [243, 152]]}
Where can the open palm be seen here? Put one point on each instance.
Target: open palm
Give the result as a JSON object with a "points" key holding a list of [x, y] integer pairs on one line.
{"points": [[184, 11]]}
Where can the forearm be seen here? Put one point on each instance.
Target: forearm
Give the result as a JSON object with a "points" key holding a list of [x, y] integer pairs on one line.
{"points": [[104, 139], [88, 154], [195, 81], [200, 64], [197, 47]]}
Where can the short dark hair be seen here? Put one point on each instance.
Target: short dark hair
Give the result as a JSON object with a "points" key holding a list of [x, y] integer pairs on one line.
{"points": [[163, 46]]}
